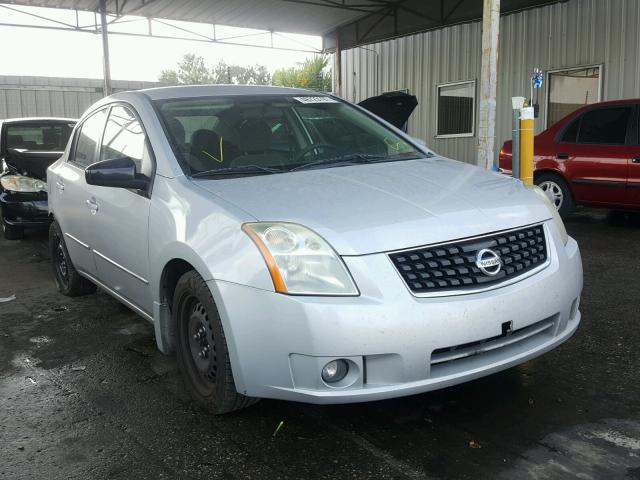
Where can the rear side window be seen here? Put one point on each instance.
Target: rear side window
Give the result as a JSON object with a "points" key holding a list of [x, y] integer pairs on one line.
{"points": [[88, 139], [605, 126], [124, 137]]}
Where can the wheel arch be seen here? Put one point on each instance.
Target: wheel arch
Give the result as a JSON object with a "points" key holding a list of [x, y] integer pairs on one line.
{"points": [[553, 171], [167, 278]]}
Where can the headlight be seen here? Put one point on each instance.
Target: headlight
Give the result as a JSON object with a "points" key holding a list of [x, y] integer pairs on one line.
{"points": [[299, 260], [18, 183], [553, 210]]}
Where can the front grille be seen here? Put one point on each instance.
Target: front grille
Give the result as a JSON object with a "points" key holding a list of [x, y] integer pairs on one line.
{"points": [[452, 266]]}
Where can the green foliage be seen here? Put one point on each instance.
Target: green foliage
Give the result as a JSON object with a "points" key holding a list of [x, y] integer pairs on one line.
{"points": [[193, 71], [313, 73]]}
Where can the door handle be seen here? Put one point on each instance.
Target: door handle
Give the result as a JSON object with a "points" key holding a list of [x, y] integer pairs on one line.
{"points": [[92, 205], [635, 160], [60, 186], [562, 156]]}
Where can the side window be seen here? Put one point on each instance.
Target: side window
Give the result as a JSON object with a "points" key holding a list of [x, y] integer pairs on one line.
{"points": [[605, 126], [124, 137], [570, 135], [88, 138]]}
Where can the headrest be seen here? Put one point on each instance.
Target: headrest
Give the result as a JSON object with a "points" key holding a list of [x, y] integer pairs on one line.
{"points": [[15, 141], [204, 139]]}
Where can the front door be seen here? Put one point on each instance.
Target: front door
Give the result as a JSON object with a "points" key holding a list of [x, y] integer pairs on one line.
{"points": [[120, 227], [70, 190], [597, 162]]}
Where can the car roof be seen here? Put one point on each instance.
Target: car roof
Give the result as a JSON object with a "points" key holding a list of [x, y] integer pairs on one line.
{"points": [[628, 101], [39, 119], [186, 91]]}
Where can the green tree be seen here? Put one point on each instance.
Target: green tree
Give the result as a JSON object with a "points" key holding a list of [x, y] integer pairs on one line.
{"points": [[239, 75], [313, 73], [192, 70]]}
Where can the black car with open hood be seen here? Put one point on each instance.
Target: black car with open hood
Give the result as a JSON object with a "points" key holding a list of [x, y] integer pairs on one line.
{"points": [[27, 147], [394, 107]]}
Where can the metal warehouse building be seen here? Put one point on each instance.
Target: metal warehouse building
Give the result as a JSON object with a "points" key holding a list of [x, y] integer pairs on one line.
{"points": [[50, 96], [589, 51]]}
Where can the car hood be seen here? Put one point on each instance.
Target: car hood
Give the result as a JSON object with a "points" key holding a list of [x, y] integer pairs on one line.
{"points": [[364, 209], [394, 107]]}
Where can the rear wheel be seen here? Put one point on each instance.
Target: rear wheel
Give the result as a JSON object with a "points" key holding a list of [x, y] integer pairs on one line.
{"points": [[201, 348], [68, 280], [557, 192]]}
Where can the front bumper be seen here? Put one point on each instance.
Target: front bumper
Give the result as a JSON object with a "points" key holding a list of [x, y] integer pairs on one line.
{"points": [[278, 344], [24, 209]]}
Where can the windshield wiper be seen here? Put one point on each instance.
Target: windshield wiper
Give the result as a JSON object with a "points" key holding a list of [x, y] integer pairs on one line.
{"points": [[354, 159], [241, 169]]}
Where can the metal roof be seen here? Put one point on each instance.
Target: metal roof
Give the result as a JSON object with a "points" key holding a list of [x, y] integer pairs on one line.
{"points": [[313, 17], [363, 20]]}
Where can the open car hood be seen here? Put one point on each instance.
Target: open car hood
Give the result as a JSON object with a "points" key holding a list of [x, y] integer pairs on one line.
{"points": [[394, 107], [31, 163]]}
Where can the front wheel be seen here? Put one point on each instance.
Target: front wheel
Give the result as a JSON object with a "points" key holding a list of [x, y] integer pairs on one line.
{"points": [[557, 192], [68, 280], [201, 348]]}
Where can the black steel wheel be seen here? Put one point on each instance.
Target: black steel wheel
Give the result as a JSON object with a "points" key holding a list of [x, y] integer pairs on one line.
{"points": [[201, 348], [68, 280]]}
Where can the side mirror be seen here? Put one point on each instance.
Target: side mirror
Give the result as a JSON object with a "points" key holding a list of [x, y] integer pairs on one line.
{"points": [[116, 172]]}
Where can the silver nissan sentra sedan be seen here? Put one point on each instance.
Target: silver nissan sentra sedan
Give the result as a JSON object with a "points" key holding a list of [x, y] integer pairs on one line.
{"points": [[287, 244]]}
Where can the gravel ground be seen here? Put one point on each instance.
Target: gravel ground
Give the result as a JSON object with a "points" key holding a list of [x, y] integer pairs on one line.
{"points": [[85, 394]]}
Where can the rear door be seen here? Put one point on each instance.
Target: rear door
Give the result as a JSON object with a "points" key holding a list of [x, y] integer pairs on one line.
{"points": [[633, 185], [119, 230], [595, 150], [70, 189]]}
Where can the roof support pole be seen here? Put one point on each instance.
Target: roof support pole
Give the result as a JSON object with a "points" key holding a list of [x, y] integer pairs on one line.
{"points": [[488, 83], [338, 72], [105, 48]]}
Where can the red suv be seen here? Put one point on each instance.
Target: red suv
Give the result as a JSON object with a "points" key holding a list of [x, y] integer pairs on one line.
{"points": [[590, 157]]}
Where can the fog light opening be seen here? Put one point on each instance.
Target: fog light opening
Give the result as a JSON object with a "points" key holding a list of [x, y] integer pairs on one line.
{"points": [[335, 371]]}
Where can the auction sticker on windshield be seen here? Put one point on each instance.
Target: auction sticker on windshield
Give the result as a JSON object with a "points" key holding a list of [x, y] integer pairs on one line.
{"points": [[315, 99]]}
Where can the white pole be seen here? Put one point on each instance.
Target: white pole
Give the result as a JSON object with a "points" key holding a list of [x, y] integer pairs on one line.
{"points": [[488, 83]]}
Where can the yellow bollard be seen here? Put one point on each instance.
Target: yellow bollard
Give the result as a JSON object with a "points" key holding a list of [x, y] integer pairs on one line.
{"points": [[526, 145]]}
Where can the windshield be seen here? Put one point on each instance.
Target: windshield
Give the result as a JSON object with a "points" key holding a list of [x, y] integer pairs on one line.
{"points": [[251, 135], [43, 137]]}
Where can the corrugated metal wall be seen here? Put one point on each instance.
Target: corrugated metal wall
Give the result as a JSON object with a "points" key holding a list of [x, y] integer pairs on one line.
{"points": [[50, 96], [563, 35]]}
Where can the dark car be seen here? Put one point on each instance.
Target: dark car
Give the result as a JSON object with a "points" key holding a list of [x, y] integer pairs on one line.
{"points": [[590, 157], [27, 147]]}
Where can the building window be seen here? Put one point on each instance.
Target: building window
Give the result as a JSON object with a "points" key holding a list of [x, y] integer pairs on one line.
{"points": [[571, 89], [456, 109]]}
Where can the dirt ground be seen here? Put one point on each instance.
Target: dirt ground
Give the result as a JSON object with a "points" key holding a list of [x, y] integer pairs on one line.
{"points": [[84, 394]]}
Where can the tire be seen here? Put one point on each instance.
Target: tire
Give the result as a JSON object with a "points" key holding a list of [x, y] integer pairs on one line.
{"points": [[558, 192], [11, 232], [201, 348], [68, 280]]}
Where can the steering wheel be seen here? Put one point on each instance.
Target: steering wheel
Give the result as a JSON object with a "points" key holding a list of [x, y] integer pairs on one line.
{"points": [[322, 146]]}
